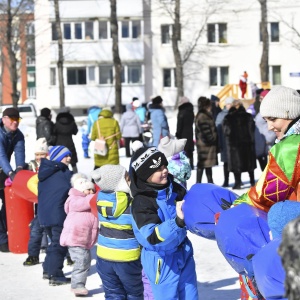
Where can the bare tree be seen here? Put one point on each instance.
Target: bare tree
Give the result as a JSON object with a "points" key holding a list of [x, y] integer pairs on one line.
{"points": [[177, 55], [116, 56], [60, 61], [264, 62], [185, 53], [14, 14]]}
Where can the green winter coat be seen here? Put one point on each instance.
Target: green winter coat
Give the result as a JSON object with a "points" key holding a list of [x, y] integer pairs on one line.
{"points": [[108, 126]]}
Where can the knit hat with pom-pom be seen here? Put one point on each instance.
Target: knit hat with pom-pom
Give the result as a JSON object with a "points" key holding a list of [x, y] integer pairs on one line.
{"points": [[169, 147], [146, 161], [111, 178]]}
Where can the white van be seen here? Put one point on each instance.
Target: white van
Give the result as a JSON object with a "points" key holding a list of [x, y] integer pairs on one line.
{"points": [[27, 113]]}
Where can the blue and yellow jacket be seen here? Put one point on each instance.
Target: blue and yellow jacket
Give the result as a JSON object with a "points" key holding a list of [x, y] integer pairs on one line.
{"points": [[116, 241]]}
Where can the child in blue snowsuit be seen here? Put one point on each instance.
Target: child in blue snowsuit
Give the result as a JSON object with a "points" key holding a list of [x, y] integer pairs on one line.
{"points": [[85, 142], [158, 224]]}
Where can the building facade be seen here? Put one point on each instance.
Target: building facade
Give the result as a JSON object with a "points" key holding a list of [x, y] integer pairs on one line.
{"points": [[219, 41]]}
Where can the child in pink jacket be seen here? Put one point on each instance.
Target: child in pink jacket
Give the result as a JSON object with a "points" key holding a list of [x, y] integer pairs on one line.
{"points": [[80, 231]]}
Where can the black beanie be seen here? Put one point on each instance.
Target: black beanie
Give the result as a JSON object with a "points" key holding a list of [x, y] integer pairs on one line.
{"points": [[157, 100], [45, 112], [147, 161]]}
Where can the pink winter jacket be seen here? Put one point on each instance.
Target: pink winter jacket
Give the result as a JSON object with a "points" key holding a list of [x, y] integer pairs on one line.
{"points": [[80, 226]]}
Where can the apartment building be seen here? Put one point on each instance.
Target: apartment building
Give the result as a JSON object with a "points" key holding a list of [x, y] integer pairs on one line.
{"points": [[219, 41]]}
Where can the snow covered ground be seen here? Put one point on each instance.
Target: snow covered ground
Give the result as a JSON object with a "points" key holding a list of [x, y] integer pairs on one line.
{"points": [[216, 279]]}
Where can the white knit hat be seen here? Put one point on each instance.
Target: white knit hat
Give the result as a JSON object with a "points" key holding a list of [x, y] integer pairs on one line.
{"points": [[169, 147], [229, 100], [281, 102], [82, 184], [111, 178], [41, 146], [77, 176]]}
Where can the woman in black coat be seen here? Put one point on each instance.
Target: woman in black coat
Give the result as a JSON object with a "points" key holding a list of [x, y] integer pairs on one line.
{"points": [[64, 128], [238, 128], [206, 140], [185, 122]]}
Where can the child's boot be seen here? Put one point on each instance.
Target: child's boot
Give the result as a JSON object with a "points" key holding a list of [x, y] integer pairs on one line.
{"points": [[31, 261]]}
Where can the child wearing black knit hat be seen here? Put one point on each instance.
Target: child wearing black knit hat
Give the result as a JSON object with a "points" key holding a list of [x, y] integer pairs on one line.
{"points": [[158, 224]]}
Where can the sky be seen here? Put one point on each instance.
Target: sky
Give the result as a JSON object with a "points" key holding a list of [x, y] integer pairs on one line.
{"points": [[216, 279]]}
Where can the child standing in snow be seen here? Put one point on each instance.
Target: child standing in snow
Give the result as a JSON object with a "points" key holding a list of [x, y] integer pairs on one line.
{"points": [[80, 231], [85, 139], [38, 238], [158, 224], [118, 251]]}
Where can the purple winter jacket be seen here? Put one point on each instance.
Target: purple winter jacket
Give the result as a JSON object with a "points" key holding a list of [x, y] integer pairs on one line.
{"points": [[80, 226]]}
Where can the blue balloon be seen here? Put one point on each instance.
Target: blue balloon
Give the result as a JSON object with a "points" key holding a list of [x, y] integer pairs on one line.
{"points": [[268, 271], [241, 231], [202, 202]]}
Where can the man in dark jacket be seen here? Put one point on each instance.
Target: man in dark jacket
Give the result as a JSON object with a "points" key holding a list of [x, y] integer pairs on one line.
{"points": [[11, 140], [185, 122], [44, 126]]}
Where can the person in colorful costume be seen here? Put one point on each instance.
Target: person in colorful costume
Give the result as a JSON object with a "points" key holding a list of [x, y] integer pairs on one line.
{"points": [[281, 177]]}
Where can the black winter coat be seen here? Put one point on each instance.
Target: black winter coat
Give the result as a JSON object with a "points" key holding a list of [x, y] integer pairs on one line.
{"points": [[64, 128], [185, 122], [44, 128], [238, 128]]}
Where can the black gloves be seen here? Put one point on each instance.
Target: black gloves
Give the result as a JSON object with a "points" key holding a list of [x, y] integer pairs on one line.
{"points": [[225, 204], [18, 169]]}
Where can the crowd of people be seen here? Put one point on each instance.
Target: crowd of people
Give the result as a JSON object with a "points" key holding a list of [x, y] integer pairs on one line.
{"points": [[142, 244]]}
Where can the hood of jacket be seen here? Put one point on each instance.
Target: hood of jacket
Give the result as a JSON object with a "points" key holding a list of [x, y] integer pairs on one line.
{"points": [[64, 123], [186, 106], [49, 167], [106, 114]]}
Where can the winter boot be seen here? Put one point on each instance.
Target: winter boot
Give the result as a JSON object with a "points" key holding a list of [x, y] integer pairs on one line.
{"points": [[199, 175], [208, 172], [226, 175], [238, 181], [251, 176], [53, 281], [31, 261]]}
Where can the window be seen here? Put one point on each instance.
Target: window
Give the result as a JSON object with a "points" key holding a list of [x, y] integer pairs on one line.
{"points": [[274, 36], [125, 29], [52, 76], [131, 74], [103, 30], [165, 34], [273, 30], [217, 33], [76, 76], [169, 78], [218, 76], [106, 74], [130, 29], [67, 31], [134, 74], [136, 29], [91, 72], [89, 30], [78, 31], [275, 74], [54, 32]]}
